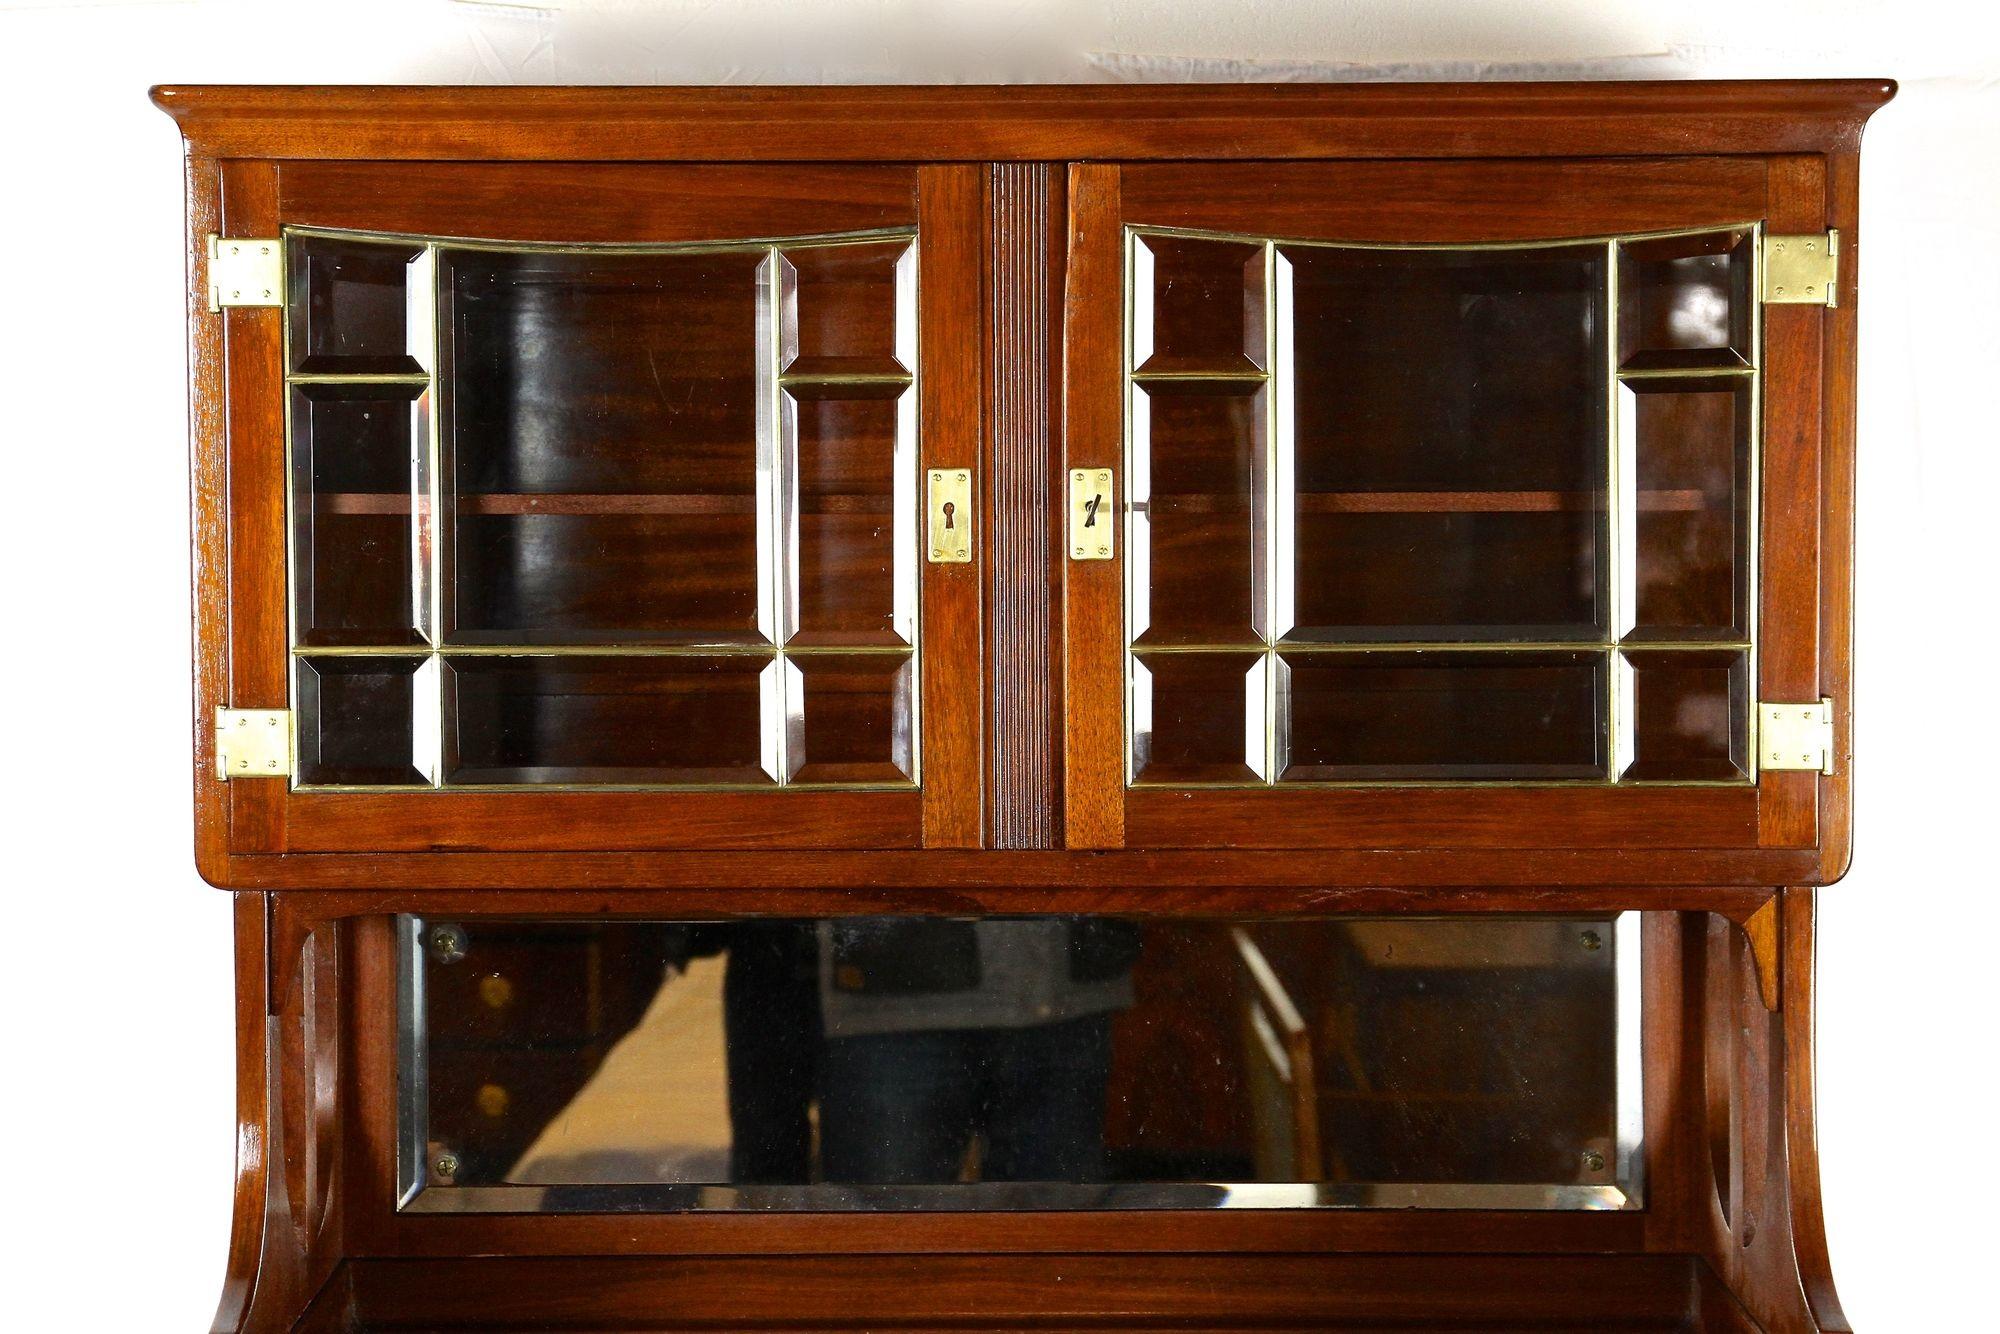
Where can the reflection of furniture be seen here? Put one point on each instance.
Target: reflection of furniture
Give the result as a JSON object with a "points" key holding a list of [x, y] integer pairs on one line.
{"points": [[637, 503], [1180, 1034], [1399, 1050], [1455, 1054], [518, 1025], [1282, 1082]]}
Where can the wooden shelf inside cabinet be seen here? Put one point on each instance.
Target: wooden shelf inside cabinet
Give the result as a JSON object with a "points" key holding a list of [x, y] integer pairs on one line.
{"points": [[784, 444]]}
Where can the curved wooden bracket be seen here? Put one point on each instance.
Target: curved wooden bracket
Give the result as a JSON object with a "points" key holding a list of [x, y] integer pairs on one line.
{"points": [[287, 1134], [1762, 929]]}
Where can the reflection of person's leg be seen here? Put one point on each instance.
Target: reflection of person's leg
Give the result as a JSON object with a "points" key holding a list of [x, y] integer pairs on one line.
{"points": [[770, 1011], [1045, 1090], [896, 1109]]}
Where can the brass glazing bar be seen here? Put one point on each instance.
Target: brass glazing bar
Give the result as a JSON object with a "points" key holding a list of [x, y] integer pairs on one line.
{"points": [[602, 787], [599, 650], [1453, 646], [740, 245], [402, 377], [863, 377], [1199, 377], [1743, 369], [1370, 784], [1206, 234]]}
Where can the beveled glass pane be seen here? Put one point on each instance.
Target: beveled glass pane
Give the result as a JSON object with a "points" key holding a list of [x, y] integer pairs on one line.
{"points": [[1689, 443], [1196, 492], [1199, 718], [1442, 443], [859, 723], [851, 513], [1029, 1062], [680, 719], [602, 424], [357, 307], [851, 309], [1685, 301], [1198, 306], [366, 720], [1690, 716], [360, 498], [1375, 716]]}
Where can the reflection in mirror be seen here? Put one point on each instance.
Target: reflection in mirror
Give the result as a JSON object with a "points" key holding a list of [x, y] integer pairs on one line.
{"points": [[1027, 1062]]}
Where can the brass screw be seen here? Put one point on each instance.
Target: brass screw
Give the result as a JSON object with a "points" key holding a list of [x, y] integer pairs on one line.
{"points": [[1592, 941], [446, 1165], [448, 943], [1593, 1161]]}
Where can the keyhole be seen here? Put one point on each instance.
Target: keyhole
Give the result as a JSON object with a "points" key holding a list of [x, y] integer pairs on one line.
{"points": [[949, 506], [1090, 510]]}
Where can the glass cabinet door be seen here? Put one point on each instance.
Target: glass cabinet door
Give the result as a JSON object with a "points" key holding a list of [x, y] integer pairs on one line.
{"points": [[1452, 505], [596, 517], [569, 514]]}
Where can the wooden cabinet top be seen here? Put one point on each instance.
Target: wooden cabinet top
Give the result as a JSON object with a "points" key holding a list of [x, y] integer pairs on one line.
{"points": [[1026, 122]]}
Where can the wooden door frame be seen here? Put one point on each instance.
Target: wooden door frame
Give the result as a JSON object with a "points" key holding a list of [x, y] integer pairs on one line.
{"points": [[1441, 201], [258, 198]]}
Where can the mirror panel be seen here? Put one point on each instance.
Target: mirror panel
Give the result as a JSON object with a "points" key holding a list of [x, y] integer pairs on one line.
{"points": [[1023, 1062]]}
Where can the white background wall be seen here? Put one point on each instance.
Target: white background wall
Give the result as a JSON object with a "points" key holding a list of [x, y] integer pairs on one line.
{"points": [[114, 959]]}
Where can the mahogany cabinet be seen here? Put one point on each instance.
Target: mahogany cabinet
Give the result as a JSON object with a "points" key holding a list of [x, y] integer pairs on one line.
{"points": [[992, 707]]}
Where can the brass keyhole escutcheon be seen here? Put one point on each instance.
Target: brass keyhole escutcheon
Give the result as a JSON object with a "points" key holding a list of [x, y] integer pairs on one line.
{"points": [[951, 496]]}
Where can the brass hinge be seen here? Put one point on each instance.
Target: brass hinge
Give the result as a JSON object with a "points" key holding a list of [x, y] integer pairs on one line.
{"points": [[1090, 526], [1795, 736], [253, 743], [1802, 270], [245, 271], [951, 516]]}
